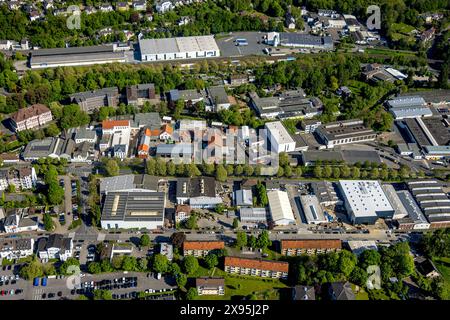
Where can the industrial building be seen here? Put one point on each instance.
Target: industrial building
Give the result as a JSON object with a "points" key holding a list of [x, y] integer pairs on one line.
{"points": [[75, 56], [253, 217], [312, 210], [198, 192], [345, 132], [359, 246], [415, 219], [409, 107], [290, 104], [365, 201], [178, 48], [326, 193], [133, 209], [299, 40], [433, 201], [280, 208], [279, 137]]}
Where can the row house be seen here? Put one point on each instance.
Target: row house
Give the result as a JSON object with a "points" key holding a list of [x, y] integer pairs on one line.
{"points": [[16, 248], [32, 117], [257, 267], [309, 246], [149, 134], [201, 248]]}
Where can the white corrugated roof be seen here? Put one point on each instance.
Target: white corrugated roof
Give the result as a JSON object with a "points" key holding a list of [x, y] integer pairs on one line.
{"points": [[280, 207]]}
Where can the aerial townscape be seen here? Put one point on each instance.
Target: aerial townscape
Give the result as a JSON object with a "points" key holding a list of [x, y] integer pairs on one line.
{"points": [[224, 150]]}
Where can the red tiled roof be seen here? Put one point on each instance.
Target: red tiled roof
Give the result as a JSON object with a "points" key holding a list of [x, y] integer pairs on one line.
{"points": [[311, 244], [203, 245], [167, 128], [110, 124], [279, 266], [26, 113]]}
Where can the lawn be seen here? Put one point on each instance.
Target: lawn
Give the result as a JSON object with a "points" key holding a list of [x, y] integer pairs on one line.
{"points": [[402, 28], [264, 289], [389, 52], [443, 265], [361, 294]]}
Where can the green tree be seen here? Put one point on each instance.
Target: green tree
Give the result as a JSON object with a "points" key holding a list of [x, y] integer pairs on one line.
{"points": [[70, 262], [151, 166], [191, 222], [111, 167], [235, 223], [221, 173], [369, 258], [32, 270], [252, 241], [191, 294], [190, 264], [144, 241], [129, 263], [347, 262], [94, 268], [263, 240], [359, 276], [106, 266], [181, 279], [211, 260], [48, 222], [160, 263], [241, 239], [318, 173]]}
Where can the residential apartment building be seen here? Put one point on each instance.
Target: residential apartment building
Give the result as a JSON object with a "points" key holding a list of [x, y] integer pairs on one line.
{"points": [[16, 248], [56, 246], [16, 224], [201, 248], [257, 267], [309, 246], [210, 286], [30, 118], [22, 178]]}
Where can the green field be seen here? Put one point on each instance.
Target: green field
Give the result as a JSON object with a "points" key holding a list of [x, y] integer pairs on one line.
{"points": [[443, 265]]}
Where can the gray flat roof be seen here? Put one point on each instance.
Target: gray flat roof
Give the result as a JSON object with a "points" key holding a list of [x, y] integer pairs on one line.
{"points": [[134, 206], [180, 44], [116, 183]]}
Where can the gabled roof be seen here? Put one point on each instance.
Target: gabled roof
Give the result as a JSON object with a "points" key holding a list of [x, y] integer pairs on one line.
{"points": [[203, 245], [110, 124], [312, 244], [280, 266], [26, 113]]}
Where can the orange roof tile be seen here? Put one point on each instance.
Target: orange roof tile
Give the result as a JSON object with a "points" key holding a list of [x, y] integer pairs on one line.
{"points": [[311, 244], [280, 266], [203, 245], [167, 128], [110, 124]]}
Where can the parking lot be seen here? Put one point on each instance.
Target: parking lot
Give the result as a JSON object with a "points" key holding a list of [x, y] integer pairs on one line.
{"points": [[122, 285], [228, 47]]}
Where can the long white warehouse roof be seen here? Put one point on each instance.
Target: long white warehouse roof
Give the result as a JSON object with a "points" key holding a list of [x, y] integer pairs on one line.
{"points": [[365, 197], [181, 44], [280, 207]]}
